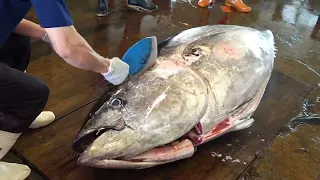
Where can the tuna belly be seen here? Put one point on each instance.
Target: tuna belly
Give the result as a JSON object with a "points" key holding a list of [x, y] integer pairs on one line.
{"points": [[238, 120], [157, 156]]}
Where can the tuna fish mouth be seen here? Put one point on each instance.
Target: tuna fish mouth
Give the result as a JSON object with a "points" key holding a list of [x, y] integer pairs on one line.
{"points": [[81, 143], [83, 140]]}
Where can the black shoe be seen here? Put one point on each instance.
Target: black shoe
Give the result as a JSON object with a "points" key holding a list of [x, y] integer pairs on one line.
{"points": [[102, 8], [142, 5]]}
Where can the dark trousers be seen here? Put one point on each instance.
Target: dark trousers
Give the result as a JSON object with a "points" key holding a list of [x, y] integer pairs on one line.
{"points": [[22, 96]]}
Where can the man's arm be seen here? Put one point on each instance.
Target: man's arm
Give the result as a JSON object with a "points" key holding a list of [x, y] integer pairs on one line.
{"points": [[55, 17], [68, 44], [28, 28], [75, 50]]}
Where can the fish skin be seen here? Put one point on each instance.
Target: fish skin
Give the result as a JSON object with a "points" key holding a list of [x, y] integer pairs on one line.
{"points": [[202, 76]]}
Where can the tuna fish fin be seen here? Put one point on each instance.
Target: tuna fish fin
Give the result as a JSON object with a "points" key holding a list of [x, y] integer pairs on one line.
{"points": [[242, 124]]}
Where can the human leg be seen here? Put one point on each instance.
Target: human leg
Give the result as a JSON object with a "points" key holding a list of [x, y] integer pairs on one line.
{"points": [[15, 52], [23, 97]]}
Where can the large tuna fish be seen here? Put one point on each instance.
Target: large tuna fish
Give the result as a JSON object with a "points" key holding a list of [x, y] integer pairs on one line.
{"points": [[207, 81]]}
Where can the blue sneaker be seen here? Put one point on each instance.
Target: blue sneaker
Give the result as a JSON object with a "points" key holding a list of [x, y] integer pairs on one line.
{"points": [[102, 8], [142, 5]]}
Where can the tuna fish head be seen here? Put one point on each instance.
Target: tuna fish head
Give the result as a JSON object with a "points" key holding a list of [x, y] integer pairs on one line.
{"points": [[202, 75]]}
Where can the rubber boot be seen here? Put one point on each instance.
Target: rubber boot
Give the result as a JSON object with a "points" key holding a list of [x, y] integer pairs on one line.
{"points": [[44, 118], [204, 3], [102, 8], [11, 171], [239, 5], [142, 5]]}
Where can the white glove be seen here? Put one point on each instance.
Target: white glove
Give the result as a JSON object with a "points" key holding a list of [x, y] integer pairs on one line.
{"points": [[118, 71], [46, 38]]}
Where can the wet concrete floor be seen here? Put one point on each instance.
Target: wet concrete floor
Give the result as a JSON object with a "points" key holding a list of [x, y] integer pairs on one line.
{"points": [[292, 154]]}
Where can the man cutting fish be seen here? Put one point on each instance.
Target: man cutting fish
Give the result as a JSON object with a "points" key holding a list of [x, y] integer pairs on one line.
{"points": [[23, 96]]}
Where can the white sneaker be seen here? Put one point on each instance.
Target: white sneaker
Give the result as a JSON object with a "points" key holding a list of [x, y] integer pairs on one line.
{"points": [[45, 118], [13, 171]]}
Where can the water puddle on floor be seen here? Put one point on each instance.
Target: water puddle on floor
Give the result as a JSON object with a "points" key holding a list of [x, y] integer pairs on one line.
{"points": [[295, 156], [294, 153], [309, 114]]}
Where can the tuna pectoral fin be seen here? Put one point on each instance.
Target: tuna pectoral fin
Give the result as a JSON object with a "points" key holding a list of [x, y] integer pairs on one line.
{"points": [[157, 156]]}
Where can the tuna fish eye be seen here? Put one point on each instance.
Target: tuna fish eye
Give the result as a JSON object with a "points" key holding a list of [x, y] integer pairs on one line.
{"points": [[118, 102]]}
